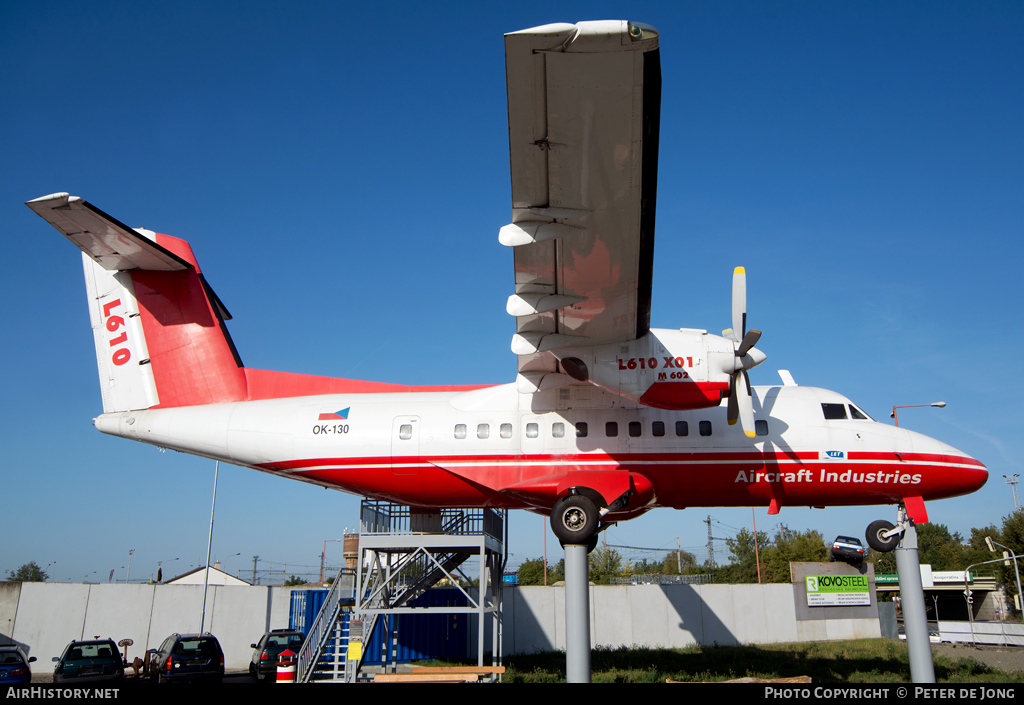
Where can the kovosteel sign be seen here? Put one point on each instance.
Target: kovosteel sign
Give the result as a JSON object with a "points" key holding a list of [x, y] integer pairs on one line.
{"points": [[837, 590]]}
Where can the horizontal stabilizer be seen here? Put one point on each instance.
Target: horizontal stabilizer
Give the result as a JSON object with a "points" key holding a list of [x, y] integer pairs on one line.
{"points": [[110, 243]]}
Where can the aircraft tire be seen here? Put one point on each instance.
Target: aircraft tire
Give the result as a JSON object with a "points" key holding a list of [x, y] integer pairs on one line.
{"points": [[877, 541], [574, 520]]}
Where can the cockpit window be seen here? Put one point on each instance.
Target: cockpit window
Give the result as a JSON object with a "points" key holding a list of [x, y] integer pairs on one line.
{"points": [[834, 411], [856, 413]]}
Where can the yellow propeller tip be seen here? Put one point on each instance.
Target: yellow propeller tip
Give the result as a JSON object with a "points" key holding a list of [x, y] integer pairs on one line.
{"points": [[748, 434], [739, 270], [732, 422]]}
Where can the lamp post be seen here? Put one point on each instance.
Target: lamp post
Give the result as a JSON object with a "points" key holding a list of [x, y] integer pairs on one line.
{"points": [[989, 542], [940, 404], [1011, 480], [209, 548], [160, 569]]}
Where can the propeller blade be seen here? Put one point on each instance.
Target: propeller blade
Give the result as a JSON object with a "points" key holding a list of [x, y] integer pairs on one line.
{"points": [[746, 406], [749, 341], [739, 302], [733, 410]]}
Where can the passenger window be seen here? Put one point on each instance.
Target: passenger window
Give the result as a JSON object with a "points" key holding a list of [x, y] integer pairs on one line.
{"points": [[634, 429], [581, 429], [558, 430], [761, 427], [834, 411], [483, 430], [506, 430], [460, 430], [705, 428], [405, 431], [611, 429], [532, 430], [658, 428], [682, 428]]}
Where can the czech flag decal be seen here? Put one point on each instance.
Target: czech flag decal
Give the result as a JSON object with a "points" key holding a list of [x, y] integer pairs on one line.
{"points": [[334, 416]]}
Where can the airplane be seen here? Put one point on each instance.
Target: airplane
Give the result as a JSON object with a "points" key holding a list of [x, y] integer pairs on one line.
{"points": [[607, 418]]}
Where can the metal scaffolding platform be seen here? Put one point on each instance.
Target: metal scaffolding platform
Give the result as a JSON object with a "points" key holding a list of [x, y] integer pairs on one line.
{"points": [[404, 552]]}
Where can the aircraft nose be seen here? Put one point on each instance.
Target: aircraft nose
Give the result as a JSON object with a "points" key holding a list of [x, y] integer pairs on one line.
{"points": [[974, 478]]}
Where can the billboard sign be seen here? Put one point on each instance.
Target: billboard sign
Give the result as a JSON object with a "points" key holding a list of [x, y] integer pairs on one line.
{"points": [[837, 590]]}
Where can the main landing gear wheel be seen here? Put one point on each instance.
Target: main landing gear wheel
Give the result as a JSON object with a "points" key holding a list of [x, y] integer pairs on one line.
{"points": [[876, 538], [574, 520]]}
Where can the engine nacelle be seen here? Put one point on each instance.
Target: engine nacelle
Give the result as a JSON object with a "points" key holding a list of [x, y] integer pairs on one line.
{"points": [[666, 369]]}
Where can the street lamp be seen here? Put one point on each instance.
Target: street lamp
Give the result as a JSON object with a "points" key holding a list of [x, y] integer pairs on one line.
{"points": [[1011, 480], [989, 542], [940, 404], [160, 570]]}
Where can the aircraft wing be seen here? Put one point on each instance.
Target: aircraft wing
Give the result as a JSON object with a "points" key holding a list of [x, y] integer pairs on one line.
{"points": [[584, 106]]}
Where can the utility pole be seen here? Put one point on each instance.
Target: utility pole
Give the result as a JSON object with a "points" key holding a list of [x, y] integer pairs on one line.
{"points": [[129, 573], [711, 544], [254, 559]]}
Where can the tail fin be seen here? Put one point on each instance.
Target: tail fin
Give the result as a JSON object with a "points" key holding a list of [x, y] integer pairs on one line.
{"points": [[158, 327]]}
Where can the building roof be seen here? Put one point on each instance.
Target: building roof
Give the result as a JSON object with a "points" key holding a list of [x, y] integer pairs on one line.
{"points": [[197, 576]]}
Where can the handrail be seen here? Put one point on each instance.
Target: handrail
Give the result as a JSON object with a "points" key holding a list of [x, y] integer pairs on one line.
{"points": [[319, 631]]}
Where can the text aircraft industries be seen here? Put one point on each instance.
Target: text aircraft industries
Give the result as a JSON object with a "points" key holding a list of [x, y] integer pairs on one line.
{"points": [[607, 418]]}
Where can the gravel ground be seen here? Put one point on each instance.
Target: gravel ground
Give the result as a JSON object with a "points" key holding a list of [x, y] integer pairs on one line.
{"points": [[1005, 658]]}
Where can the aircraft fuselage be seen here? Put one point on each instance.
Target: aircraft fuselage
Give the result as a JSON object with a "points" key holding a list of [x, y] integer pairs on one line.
{"points": [[495, 447]]}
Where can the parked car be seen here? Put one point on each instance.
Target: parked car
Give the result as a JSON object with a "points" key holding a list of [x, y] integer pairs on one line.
{"points": [[847, 549], [933, 635], [92, 660], [184, 657], [14, 667], [263, 664]]}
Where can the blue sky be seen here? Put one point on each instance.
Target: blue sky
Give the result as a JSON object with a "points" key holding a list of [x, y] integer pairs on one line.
{"points": [[342, 172]]}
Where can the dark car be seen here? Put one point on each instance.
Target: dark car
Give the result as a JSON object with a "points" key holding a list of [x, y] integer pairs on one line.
{"points": [[185, 657], [263, 664], [847, 549], [85, 661], [14, 666]]}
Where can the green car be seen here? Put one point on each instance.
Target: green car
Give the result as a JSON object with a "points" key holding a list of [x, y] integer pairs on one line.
{"points": [[87, 661]]}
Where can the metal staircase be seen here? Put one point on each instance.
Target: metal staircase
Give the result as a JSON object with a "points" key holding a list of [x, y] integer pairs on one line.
{"points": [[326, 631], [402, 554]]}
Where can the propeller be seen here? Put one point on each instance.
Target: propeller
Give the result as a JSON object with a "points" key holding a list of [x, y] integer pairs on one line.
{"points": [[747, 356]]}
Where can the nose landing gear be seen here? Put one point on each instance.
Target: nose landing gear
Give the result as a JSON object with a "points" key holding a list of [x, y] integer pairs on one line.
{"points": [[883, 536]]}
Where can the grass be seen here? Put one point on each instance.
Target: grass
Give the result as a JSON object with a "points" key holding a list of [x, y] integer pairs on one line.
{"points": [[861, 661]]}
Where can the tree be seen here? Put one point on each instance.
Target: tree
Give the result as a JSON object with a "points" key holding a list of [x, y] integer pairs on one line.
{"points": [[605, 563], [938, 548], [531, 572], [293, 580], [791, 546], [743, 568], [28, 573]]}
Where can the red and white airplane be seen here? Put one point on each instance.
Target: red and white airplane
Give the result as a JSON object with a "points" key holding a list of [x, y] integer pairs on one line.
{"points": [[607, 418]]}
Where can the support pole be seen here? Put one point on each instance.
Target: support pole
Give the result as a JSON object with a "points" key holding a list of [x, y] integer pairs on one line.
{"points": [[209, 547], [915, 618], [577, 614]]}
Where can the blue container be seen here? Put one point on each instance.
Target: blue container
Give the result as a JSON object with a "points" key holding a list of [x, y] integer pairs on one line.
{"points": [[420, 636], [305, 606], [423, 637]]}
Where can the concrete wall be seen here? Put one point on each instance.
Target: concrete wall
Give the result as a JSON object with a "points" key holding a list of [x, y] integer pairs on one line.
{"points": [[44, 617], [675, 616]]}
